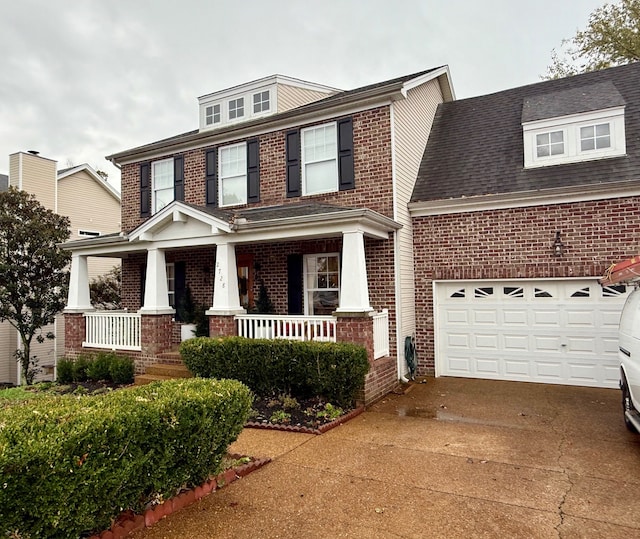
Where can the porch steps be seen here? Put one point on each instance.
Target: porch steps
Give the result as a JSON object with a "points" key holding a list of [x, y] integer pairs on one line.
{"points": [[163, 371]]}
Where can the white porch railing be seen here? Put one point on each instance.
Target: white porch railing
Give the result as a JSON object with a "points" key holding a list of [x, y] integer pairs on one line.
{"points": [[381, 334], [114, 330], [298, 328]]}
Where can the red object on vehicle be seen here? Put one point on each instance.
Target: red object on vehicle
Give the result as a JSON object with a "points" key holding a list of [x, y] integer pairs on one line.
{"points": [[625, 271]]}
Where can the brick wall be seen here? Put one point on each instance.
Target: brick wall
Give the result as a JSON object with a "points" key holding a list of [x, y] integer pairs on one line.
{"points": [[517, 244], [372, 163]]}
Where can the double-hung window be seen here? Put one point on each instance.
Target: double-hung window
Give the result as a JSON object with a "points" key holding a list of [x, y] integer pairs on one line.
{"points": [[595, 137], [233, 174], [321, 284], [319, 159], [162, 181]]}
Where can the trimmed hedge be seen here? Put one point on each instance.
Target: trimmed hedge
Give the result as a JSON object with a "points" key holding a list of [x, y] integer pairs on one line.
{"points": [[102, 366], [335, 371], [69, 465]]}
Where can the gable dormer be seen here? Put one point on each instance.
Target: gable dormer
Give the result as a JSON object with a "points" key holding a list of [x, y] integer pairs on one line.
{"points": [[257, 99], [575, 125]]}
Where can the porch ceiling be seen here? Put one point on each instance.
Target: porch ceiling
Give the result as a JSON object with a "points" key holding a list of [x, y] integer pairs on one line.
{"points": [[185, 225]]}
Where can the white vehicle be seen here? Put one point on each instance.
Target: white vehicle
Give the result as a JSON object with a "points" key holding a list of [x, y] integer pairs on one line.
{"points": [[629, 340], [629, 343]]}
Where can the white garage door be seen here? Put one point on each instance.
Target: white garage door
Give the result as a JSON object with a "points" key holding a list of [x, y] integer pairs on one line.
{"points": [[551, 331]]}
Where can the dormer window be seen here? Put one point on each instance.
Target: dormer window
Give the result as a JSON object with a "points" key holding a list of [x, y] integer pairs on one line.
{"points": [[236, 108], [551, 143], [573, 125], [595, 137], [212, 114], [261, 102]]}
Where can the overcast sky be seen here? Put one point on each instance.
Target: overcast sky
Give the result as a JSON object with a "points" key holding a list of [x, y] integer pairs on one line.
{"points": [[82, 79]]}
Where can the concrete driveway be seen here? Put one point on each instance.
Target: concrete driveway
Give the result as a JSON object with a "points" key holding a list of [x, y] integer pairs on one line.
{"points": [[451, 458]]}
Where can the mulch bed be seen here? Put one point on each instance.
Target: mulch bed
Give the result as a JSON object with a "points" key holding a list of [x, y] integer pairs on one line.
{"points": [[311, 416]]}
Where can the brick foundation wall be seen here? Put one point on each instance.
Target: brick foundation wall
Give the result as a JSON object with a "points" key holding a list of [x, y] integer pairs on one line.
{"points": [[156, 333], [74, 330], [517, 244], [382, 376], [222, 326]]}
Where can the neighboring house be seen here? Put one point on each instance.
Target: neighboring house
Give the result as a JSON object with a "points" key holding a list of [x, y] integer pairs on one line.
{"points": [[93, 207], [287, 184], [523, 199]]}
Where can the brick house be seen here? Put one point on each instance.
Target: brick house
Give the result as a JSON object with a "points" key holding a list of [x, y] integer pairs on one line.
{"points": [[291, 187], [523, 199]]}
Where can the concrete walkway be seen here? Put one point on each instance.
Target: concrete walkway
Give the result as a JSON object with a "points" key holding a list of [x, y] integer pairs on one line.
{"points": [[451, 458]]}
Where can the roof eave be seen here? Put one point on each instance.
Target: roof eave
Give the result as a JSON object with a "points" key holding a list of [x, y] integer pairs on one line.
{"points": [[372, 97]]}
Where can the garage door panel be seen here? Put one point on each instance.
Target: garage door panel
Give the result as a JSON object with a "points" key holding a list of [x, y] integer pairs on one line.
{"points": [[581, 345], [459, 340], [486, 342], [485, 316], [546, 343], [457, 316], [520, 369], [487, 366], [516, 343], [546, 317], [515, 317], [555, 331], [581, 318], [610, 318]]}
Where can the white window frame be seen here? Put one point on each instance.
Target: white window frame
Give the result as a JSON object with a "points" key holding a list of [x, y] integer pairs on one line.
{"points": [[154, 198], [215, 117], [235, 110], [594, 126], [551, 143], [171, 283], [305, 161], [307, 289], [571, 126], [221, 178], [262, 110]]}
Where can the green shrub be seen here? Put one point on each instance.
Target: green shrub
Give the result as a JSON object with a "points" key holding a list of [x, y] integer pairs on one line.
{"points": [[64, 371], [99, 365], [93, 457], [80, 366], [122, 370], [334, 371]]}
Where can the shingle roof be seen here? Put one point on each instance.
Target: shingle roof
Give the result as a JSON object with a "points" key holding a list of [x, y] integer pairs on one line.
{"points": [[336, 99], [476, 145]]}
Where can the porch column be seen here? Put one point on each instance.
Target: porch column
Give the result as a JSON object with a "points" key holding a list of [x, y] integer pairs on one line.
{"points": [[78, 298], [354, 285], [156, 294], [226, 298]]}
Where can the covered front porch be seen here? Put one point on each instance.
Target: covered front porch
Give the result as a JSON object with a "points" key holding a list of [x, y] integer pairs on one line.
{"points": [[312, 264]]}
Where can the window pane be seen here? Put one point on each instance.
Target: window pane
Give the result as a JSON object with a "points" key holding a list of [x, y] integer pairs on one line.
{"points": [[557, 149], [333, 280], [324, 302], [163, 197], [602, 129], [543, 151], [234, 190], [556, 136], [586, 132], [163, 174], [320, 177], [587, 144], [542, 139]]}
